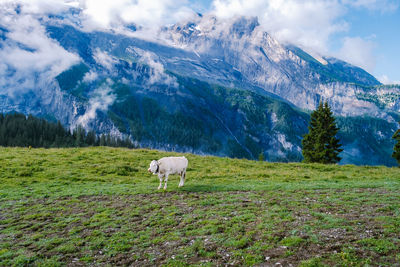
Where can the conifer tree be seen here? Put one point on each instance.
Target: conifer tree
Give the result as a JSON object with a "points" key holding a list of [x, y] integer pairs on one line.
{"points": [[261, 156], [79, 135], [102, 141], [91, 138], [396, 149], [320, 143]]}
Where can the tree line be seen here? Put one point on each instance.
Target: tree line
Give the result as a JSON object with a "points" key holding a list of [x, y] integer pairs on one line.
{"points": [[319, 145], [28, 131]]}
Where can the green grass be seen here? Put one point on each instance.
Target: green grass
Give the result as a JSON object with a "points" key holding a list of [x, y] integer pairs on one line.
{"points": [[99, 206]]}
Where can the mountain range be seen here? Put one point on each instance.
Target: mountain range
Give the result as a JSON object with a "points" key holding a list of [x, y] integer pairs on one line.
{"points": [[207, 85]]}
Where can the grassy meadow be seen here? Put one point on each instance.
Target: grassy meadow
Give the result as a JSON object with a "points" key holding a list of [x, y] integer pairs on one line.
{"points": [[99, 206]]}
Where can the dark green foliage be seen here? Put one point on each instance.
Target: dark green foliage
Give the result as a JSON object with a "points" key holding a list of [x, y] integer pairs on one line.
{"points": [[367, 139], [24, 131], [237, 150], [261, 156], [175, 128], [396, 152], [79, 136], [69, 79], [102, 141], [91, 139], [320, 143], [20, 130]]}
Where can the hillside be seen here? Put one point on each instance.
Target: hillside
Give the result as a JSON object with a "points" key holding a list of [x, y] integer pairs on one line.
{"points": [[92, 206]]}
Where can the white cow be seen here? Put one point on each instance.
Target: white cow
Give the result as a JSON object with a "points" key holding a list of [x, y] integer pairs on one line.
{"points": [[169, 165]]}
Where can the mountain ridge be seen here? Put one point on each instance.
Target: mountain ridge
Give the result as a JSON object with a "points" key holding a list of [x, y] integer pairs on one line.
{"points": [[240, 95]]}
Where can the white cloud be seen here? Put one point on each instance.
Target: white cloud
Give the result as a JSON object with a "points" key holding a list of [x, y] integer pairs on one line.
{"points": [[157, 72], [359, 52], [39, 6], [104, 59], [100, 99], [90, 76], [307, 23], [27, 56], [108, 14], [374, 5], [148, 14], [386, 80]]}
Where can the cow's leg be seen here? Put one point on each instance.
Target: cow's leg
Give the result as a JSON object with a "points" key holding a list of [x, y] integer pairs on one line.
{"points": [[166, 180], [180, 182], [160, 176], [184, 177], [183, 173]]}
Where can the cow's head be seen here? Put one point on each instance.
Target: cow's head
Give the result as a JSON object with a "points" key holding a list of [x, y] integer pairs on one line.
{"points": [[153, 167]]}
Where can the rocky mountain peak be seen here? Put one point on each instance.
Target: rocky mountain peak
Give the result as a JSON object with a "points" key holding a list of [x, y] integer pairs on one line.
{"points": [[244, 26]]}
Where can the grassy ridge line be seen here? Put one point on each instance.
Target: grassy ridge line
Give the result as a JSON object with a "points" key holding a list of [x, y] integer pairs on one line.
{"points": [[99, 206]]}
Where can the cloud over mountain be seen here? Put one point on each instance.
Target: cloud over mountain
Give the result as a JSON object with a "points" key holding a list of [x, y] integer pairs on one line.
{"points": [[310, 24], [27, 55]]}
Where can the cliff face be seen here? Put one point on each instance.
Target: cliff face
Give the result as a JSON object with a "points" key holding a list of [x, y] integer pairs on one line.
{"points": [[287, 71], [208, 86]]}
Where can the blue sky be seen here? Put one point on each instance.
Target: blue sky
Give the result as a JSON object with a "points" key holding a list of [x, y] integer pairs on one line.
{"points": [[383, 29], [370, 33]]}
